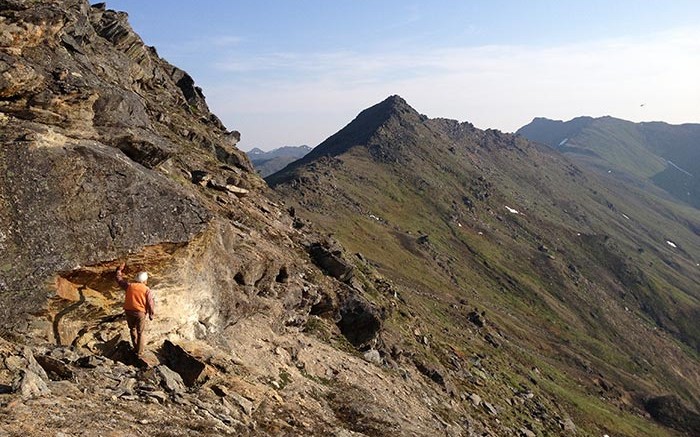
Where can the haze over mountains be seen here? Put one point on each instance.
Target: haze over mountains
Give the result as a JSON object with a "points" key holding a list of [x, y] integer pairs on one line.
{"points": [[408, 276], [275, 160], [598, 273]]}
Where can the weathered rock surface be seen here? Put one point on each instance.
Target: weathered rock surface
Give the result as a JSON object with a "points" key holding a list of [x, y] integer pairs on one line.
{"points": [[359, 320], [55, 369], [171, 381], [31, 385], [87, 111], [330, 259], [183, 363]]}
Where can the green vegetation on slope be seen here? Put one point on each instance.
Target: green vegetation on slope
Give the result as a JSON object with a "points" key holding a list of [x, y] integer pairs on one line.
{"points": [[663, 154], [571, 270]]}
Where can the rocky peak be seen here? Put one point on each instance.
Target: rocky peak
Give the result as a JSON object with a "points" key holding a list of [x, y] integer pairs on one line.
{"points": [[255, 151], [387, 118], [393, 110], [394, 104]]}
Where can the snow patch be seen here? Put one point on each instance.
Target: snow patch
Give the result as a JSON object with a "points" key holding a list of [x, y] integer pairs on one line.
{"points": [[372, 216], [671, 243], [679, 169], [511, 210], [563, 142], [625, 216]]}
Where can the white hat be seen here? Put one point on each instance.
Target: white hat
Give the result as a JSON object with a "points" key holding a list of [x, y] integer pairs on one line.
{"points": [[142, 277]]}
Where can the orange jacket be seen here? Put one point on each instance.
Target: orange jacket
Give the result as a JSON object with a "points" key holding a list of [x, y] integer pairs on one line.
{"points": [[138, 296]]}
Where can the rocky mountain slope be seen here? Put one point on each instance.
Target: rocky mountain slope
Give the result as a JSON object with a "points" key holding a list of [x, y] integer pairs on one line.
{"points": [[264, 327], [267, 163], [657, 154], [558, 299]]}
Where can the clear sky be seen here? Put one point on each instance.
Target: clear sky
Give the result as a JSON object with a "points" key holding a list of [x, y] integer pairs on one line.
{"points": [[291, 72]]}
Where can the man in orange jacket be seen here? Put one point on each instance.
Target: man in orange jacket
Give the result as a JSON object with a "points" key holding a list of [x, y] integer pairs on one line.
{"points": [[138, 303]]}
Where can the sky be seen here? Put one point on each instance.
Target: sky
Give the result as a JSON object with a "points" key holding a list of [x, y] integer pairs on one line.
{"points": [[292, 72]]}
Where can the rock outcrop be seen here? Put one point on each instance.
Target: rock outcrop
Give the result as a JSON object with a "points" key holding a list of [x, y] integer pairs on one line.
{"points": [[100, 137], [96, 131], [672, 412]]}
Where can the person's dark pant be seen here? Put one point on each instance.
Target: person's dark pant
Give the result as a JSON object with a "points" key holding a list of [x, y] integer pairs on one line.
{"points": [[137, 324]]}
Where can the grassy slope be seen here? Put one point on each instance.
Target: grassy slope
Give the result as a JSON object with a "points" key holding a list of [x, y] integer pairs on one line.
{"points": [[636, 152], [587, 313], [621, 145]]}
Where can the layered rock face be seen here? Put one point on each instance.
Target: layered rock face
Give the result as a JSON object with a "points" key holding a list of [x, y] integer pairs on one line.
{"points": [[97, 131], [110, 154]]}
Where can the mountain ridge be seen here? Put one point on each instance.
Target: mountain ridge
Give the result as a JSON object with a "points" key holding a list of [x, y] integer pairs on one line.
{"points": [[442, 208], [358, 132], [652, 152]]}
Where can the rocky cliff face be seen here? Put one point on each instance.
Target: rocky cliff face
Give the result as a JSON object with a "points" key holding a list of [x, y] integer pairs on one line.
{"points": [[96, 130]]}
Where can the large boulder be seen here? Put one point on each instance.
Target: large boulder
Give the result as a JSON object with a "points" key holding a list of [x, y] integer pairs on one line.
{"points": [[359, 321], [330, 258], [67, 203]]}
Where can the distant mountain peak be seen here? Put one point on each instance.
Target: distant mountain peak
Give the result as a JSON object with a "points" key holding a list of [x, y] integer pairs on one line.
{"points": [[267, 163], [395, 101], [392, 106], [367, 123]]}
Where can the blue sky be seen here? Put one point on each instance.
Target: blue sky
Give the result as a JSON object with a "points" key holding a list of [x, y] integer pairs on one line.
{"points": [[295, 72]]}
